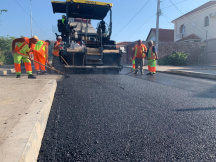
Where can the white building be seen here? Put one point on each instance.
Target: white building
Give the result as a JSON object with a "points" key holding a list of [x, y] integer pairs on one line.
{"points": [[197, 25]]}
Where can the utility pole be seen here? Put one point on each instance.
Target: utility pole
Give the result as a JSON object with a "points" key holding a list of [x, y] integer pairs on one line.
{"points": [[157, 23], [31, 19]]}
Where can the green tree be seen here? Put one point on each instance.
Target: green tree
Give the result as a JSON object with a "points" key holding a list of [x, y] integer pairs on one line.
{"points": [[176, 58], [6, 56], [3, 11]]}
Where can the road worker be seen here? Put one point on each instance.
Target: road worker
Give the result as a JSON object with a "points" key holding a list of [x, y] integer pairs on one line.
{"points": [[139, 51], [63, 19], [151, 56], [133, 63], [21, 47], [41, 55], [56, 49]]}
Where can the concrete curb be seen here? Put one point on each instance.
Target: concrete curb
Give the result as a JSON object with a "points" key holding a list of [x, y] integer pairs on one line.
{"points": [[191, 74], [3, 72], [11, 71], [8, 71], [24, 142], [186, 73]]}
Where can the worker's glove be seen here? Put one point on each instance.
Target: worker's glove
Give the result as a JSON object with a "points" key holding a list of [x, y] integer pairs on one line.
{"points": [[156, 57], [30, 58]]}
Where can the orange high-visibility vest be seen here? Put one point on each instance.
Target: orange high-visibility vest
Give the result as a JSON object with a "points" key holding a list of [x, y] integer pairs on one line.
{"points": [[151, 54], [23, 47], [143, 54], [56, 51], [40, 48]]}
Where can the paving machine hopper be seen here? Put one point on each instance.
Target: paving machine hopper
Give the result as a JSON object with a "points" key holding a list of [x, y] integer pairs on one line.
{"points": [[87, 47]]}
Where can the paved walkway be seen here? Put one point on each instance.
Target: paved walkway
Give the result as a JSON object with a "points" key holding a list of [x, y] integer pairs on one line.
{"points": [[205, 71], [25, 105]]}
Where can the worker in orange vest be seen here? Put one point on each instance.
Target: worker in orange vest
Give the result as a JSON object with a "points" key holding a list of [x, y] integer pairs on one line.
{"points": [[21, 47], [139, 51], [56, 49], [152, 56], [41, 55]]}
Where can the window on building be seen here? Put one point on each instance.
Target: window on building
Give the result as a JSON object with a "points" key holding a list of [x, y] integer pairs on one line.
{"points": [[206, 21], [182, 29]]}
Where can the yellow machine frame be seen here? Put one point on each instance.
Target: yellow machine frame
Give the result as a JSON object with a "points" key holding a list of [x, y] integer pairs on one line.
{"points": [[85, 1]]}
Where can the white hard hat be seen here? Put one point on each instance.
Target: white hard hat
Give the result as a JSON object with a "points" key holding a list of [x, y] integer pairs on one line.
{"points": [[35, 37], [59, 37], [150, 42]]}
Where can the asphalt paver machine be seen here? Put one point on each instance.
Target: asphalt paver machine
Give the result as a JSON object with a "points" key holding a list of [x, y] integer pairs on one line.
{"points": [[87, 47]]}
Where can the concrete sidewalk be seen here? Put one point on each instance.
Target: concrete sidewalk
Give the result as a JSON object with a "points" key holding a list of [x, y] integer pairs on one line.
{"points": [[205, 71], [25, 106]]}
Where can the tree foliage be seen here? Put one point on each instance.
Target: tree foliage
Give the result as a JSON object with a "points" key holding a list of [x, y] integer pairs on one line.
{"points": [[176, 58], [3, 11], [6, 56]]}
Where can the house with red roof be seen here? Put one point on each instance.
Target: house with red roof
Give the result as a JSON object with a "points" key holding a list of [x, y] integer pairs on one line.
{"points": [[122, 44], [165, 35], [197, 25]]}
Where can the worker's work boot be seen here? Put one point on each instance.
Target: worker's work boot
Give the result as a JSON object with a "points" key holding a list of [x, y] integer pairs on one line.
{"points": [[135, 72], [149, 73], [38, 72], [30, 76], [43, 72], [18, 76]]}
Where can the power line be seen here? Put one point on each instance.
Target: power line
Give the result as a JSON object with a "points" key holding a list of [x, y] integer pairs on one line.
{"points": [[21, 7], [169, 21], [176, 6], [132, 18], [152, 16], [173, 4], [32, 17], [185, 15]]}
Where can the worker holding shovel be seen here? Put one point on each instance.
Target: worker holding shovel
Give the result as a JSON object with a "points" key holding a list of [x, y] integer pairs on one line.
{"points": [[56, 50], [22, 47], [41, 55]]}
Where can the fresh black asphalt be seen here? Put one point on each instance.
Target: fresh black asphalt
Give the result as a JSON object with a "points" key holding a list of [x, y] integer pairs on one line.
{"points": [[98, 117]]}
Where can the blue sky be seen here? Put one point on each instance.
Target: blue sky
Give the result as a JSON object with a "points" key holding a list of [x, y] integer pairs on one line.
{"points": [[132, 19]]}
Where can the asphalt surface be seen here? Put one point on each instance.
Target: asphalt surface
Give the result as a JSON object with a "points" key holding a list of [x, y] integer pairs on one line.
{"points": [[98, 117]]}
